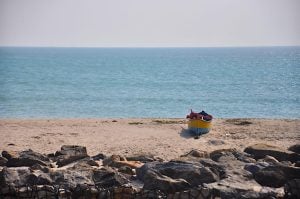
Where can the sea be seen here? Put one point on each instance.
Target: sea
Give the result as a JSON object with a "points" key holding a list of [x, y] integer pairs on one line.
{"points": [[246, 82]]}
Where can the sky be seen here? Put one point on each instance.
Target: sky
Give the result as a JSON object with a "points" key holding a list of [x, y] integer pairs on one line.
{"points": [[149, 23]]}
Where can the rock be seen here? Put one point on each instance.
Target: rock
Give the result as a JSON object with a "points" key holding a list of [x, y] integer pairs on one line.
{"points": [[126, 170], [27, 158], [295, 148], [3, 161], [246, 190], [269, 159], [118, 161], [72, 177], [106, 178], [23, 176], [197, 154], [215, 142], [172, 174], [292, 189], [99, 156], [255, 167], [218, 168], [192, 156], [72, 150], [15, 177], [40, 168], [276, 176], [87, 162], [143, 158], [69, 154], [259, 151], [9, 154], [124, 192], [39, 178], [271, 177], [155, 181], [92, 162], [226, 155]]}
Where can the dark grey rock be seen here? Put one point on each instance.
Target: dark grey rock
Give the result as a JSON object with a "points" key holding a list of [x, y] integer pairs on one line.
{"points": [[39, 178], [276, 176], [255, 167], [156, 181], [72, 177], [259, 151], [175, 172], [27, 158], [9, 154], [69, 154], [16, 176], [217, 168], [295, 148], [126, 170], [106, 178], [39, 168], [292, 189], [245, 190], [99, 156], [227, 155], [72, 150]]}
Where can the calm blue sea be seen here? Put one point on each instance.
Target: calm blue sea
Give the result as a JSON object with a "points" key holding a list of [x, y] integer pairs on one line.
{"points": [[149, 82]]}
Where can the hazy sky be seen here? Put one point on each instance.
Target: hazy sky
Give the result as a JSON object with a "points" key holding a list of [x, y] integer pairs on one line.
{"points": [[149, 22]]}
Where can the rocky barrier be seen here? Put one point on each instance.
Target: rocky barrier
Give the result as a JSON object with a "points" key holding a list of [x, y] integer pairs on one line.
{"points": [[260, 171]]}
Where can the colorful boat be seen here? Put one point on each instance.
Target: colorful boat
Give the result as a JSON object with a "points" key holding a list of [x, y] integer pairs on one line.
{"points": [[199, 126]]}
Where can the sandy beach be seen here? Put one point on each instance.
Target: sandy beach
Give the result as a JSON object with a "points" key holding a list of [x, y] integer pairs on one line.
{"points": [[165, 138]]}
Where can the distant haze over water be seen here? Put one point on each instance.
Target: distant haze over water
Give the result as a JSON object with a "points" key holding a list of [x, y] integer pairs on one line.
{"points": [[149, 82]]}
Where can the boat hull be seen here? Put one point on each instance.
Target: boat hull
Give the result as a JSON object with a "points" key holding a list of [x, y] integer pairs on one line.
{"points": [[198, 126]]}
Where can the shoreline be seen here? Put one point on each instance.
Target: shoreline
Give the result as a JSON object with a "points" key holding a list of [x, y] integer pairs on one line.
{"points": [[162, 137]]}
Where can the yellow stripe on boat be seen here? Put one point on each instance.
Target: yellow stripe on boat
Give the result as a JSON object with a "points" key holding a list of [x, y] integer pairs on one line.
{"points": [[197, 123]]}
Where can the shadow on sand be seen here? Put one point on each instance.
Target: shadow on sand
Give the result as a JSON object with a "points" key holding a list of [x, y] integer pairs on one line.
{"points": [[185, 133]]}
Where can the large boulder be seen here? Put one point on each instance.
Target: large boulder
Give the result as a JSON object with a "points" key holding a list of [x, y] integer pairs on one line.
{"points": [[276, 175], [73, 177], [259, 151], [27, 158], [14, 177], [173, 174], [69, 154], [228, 189]]}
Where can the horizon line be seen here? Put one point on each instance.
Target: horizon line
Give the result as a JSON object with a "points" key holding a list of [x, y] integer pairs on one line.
{"points": [[254, 46]]}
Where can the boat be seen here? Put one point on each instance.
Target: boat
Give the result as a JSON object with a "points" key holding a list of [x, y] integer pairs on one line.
{"points": [[199, 126], [199, 123]]}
